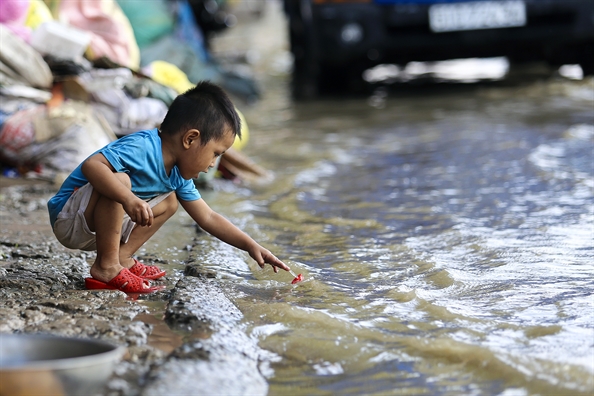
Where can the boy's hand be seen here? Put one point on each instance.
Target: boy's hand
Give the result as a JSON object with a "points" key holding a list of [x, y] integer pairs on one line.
{"points": [[215, 224], [101, 174], [263, 257], [139, 211]]}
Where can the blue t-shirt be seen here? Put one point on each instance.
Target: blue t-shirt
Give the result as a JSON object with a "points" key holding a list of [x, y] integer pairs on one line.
{"points": [[139, 155]]}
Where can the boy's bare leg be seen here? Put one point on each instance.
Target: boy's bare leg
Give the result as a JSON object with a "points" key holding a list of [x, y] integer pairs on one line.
{"points": [[104, 217], [108, 229], [161, 213]]}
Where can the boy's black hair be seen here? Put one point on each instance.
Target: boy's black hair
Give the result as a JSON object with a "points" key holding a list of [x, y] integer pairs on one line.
{"points": [[205, 107]]}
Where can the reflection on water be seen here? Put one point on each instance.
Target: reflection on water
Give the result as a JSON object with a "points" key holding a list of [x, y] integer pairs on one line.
{"points": [[161, 337]]}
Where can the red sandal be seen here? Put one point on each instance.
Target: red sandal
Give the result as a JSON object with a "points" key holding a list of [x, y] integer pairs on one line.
{"points": [[124, 281], [146, 271]]}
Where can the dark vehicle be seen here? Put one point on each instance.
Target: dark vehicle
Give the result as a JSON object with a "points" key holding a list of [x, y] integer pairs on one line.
{"points": [[334, 41]]}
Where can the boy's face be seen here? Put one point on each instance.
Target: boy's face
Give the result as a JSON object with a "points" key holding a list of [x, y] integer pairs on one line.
{"points": [[198, 158]]}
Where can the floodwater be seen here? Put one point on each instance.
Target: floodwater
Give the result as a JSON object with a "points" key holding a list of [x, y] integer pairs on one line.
{"points": [[445, 233]]}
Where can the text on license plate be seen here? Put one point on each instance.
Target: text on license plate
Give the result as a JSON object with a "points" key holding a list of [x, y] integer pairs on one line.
{"points": [[477, 15]]}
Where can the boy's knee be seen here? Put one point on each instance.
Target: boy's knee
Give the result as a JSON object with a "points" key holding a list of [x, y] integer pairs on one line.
{"points": [[172, 204], [167, 207]]}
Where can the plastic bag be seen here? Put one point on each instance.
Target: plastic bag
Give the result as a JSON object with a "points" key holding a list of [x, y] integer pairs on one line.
{"points": [[21, 58]]}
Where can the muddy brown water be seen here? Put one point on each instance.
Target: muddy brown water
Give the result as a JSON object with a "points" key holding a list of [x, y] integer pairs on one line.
{"points": [[446, 243]]}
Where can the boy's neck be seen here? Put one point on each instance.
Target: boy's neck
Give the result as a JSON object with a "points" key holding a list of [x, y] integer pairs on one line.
{"points": [[168, 151]]}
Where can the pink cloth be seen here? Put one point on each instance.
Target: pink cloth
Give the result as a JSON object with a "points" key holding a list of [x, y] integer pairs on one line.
{"points": [[13, 14], [108, 37]]}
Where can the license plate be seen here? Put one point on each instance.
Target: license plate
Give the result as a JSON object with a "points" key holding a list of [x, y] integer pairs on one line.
{"points": [[477, 15]]}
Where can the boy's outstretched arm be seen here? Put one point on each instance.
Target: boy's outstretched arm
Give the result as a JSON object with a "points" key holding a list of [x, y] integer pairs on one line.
{"points": [[100, 174], [217, 225]]}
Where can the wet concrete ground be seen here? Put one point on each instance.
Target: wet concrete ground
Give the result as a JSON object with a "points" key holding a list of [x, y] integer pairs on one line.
{"points": [[185, 338]]}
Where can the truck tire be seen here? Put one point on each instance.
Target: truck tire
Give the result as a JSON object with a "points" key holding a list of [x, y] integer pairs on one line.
{"points": [[304, 83]]}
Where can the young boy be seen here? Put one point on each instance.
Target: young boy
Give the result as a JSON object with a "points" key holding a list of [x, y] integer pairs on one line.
{"points": [[121, 195]]}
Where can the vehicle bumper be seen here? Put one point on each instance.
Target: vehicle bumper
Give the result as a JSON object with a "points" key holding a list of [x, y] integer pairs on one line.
{"points": [[399, 33]]}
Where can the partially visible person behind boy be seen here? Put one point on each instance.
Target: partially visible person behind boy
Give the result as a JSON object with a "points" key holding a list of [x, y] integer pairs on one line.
{"points": [[121, 195]]}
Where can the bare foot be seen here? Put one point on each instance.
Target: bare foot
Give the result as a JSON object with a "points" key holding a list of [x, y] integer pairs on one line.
{"points": [[105, 273]]}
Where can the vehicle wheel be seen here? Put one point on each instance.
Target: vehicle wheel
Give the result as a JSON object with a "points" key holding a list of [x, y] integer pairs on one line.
{"points": [[304, 83], [310, 77]]}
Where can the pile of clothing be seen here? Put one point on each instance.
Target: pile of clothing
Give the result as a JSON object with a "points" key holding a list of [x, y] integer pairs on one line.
{"points": [[77, 74]]}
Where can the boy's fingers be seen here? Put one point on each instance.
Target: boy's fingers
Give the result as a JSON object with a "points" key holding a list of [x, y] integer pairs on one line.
{"points": [[146, 216], [275, 262], [282, 265]]}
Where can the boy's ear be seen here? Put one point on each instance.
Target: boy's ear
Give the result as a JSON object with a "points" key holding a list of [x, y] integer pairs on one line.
{"points": [[191, 136]]}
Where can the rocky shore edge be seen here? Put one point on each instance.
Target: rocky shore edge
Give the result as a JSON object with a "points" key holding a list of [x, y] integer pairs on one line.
{"points": [[204, 344]]}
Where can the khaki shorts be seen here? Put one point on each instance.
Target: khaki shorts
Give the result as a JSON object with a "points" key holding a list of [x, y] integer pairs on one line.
{"points": [[71, 227]]}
